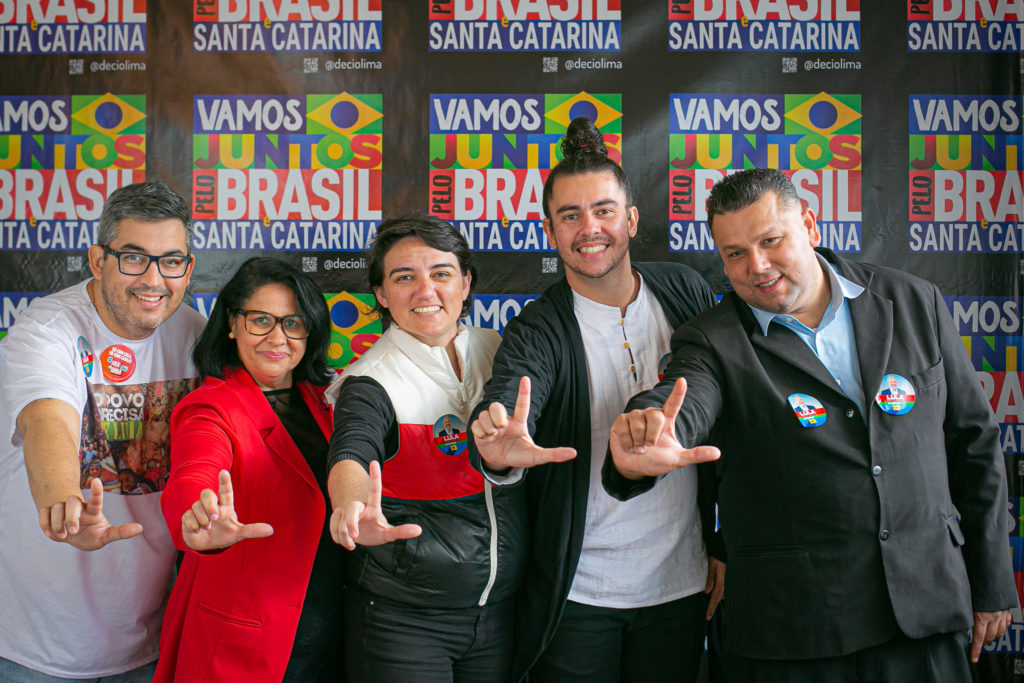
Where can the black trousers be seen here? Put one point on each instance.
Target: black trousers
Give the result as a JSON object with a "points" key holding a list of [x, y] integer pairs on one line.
{"points": [[937, 659], [390, 642], [604, 645]]}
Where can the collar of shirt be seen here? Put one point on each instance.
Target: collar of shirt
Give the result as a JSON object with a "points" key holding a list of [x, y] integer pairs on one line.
{"points": [[841, 289], [833, 342], [582, 303]]}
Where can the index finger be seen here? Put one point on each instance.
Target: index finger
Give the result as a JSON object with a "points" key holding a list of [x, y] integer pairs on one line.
{"points": [[675, 399], [977, 641], [985, 629], [225, 492], [522, 409], [94, 505], [376, 486]]}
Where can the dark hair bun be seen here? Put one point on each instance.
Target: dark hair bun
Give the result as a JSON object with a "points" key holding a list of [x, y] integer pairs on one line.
{"points": [[583, 137]]}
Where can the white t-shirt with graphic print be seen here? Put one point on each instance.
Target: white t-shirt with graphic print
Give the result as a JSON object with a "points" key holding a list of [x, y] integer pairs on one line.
{"points": [[66, 612]]}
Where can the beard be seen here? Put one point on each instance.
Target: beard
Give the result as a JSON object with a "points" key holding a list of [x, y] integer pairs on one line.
{"points": [[137, 326], [617, 254]]}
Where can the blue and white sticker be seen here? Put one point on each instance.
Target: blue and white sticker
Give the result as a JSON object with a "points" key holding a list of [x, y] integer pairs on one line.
{"points": [[895, 395], [85, 356], [809, 411], [450, 435]]}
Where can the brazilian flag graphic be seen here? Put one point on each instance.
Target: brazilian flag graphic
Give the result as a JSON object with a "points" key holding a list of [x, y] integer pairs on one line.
{"points": [[354, 328]]}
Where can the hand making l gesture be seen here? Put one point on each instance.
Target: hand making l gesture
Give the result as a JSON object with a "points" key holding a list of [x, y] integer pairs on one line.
{"points": [[643, 442], [505, 441], [211, 523], [83, 524], [364, 523]]}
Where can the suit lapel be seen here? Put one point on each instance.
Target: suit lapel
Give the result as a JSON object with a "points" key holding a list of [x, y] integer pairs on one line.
{"points": [[278, 442], [872, 327], [787, 346], [872, 317]]}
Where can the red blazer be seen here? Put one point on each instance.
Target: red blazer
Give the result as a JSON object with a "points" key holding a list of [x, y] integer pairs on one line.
{"points": [[232, 614]]}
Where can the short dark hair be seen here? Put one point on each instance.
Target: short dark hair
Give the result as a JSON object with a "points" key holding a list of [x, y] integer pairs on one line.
{"points": [[432, 231], [583, 151], [215, 351], [741, 189], [147, 201]]}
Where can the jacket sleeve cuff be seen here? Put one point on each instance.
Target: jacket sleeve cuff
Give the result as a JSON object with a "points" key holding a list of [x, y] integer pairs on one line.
{"points": [[618, 486]]}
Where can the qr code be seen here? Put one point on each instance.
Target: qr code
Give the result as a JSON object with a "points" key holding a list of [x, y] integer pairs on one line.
{"points": [[309, 264], [789, 65], [550, 65], [1020, 468], [310, 65], [1018, 666], [75, 263], [548, 264], [76, 67]]}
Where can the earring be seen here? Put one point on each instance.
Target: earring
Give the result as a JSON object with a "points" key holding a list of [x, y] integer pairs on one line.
{"points": [[231, 334]]}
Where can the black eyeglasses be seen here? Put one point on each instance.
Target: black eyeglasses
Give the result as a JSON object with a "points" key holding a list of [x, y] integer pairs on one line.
{"points": [[137, 263], [261, 323]]}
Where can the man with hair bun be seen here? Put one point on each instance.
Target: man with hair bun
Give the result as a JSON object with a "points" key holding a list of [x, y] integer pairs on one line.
{"points": [[612, 591]]}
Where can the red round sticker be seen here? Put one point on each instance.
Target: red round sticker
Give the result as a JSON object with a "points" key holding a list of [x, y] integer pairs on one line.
{"points": [[118, 363]]}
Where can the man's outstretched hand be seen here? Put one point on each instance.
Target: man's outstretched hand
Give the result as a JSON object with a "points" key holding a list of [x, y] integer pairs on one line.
{"points": [[505, 442], [83, 524], [643, 442]]}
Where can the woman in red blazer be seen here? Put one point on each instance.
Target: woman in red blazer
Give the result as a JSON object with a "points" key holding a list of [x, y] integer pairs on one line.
{"points": [[246, 494]]}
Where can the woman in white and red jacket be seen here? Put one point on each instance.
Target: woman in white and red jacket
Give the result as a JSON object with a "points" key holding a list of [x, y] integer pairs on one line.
{"points": [[430, 597]]}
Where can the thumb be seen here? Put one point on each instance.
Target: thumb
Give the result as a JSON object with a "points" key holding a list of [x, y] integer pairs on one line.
{"points": [[255, 530], [121, 532], [704, 454]]}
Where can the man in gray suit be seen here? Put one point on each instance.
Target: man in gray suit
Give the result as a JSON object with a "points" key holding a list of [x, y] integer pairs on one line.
{"points": [[863, 544]]}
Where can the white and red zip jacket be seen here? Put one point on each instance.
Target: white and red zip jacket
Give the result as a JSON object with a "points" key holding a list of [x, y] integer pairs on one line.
{"points": [[402, 404]]}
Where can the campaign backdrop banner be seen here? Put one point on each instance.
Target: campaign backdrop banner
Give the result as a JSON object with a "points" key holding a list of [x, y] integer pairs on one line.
{"points": [[286, 173], [814, 139], [490, 156], [45, 27], [295, 127], [965, 179]]}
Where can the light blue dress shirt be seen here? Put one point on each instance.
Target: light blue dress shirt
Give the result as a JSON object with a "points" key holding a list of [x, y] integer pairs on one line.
{"points": [[833, 341]]}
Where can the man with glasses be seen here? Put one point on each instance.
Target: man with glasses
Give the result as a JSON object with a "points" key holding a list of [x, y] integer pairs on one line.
{"points": [[94, 367]]}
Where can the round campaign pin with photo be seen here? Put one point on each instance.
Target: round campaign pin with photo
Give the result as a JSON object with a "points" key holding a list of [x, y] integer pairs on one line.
{"points": [[117, 363], [450, 435], [809, 411], [85, 355], [895, 395]]}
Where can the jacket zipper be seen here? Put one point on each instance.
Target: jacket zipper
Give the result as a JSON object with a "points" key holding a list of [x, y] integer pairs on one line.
{"points": [[488, 500], [492, 518]]}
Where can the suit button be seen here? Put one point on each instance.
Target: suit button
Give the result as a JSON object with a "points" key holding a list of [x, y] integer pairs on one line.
{"points": [[876, 470], [884, 535], [849, 412]]}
